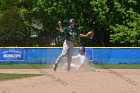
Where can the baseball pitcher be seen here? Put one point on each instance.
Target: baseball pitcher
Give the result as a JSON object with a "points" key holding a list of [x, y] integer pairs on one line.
{"points": [[70, 35]]}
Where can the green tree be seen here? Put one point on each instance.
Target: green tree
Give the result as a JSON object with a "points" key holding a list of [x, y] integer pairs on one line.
{"points": [[12, 28], [115, 22], [124, 28], [49, 12]]}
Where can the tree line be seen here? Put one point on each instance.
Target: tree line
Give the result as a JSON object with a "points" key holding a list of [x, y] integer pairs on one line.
{"points": [[35, 22]]}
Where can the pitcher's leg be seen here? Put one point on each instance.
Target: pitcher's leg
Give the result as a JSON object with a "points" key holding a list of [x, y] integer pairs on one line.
{"points": [[69, 62], [69, 55], [63, 54]]}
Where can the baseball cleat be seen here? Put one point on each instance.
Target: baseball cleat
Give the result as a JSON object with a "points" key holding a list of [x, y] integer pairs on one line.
{"points": [[55, 66]]}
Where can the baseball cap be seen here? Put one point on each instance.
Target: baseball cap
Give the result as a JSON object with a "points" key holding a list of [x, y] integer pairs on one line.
{"points": [[71, 21]]}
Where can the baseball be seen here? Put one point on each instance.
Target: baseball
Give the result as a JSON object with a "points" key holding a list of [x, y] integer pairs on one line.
{"points": [[59, 23]]}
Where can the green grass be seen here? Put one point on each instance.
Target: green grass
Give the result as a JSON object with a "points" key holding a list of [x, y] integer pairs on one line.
{"points": [[46, 66], [16, 76], [25, 66], [117, 66]]}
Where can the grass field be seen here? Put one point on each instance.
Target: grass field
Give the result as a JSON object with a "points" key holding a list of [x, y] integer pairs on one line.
{"points": [[46, 66], [20, 66], [25, 66], [16, 76], [117, 66]]}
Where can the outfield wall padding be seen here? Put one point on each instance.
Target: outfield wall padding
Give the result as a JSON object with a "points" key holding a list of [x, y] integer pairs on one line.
{"points": [[96, 55]]}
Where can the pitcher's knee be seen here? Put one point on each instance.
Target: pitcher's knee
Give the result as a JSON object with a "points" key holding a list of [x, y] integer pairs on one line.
{"points": [[62, 55]]}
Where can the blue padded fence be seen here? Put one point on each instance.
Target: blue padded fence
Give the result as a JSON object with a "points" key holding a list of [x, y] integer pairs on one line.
{"points": [[49, 55]]}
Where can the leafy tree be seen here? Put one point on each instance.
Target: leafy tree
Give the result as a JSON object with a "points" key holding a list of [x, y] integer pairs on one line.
{"points": [[12, 28], [115, 22], [125, 26], [118, 21]]}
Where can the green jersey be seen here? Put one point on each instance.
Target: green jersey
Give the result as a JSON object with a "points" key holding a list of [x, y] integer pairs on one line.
{"points": [[71, 34]]}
